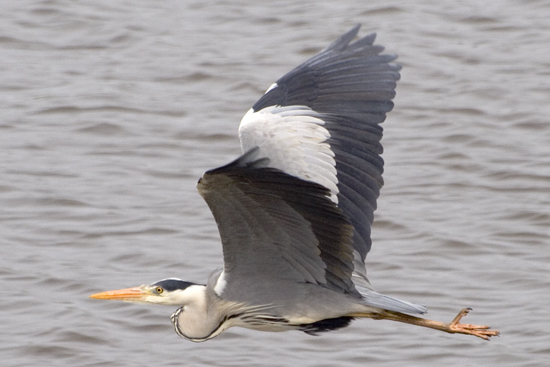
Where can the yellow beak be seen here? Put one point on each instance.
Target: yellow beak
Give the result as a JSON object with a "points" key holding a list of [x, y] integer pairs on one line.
{"points": [[126, 294]]}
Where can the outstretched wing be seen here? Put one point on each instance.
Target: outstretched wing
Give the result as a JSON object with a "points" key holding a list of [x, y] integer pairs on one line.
{"points": [[276, 226], [320, 122]]}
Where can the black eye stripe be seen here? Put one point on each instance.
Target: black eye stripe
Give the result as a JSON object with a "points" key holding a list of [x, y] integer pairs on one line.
{"points": [[170, 285]]}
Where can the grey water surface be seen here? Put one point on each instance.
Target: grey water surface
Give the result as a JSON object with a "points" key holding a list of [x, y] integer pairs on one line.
{"points": [[111, 110]]}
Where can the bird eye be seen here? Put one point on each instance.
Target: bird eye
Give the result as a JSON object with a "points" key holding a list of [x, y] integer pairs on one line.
{"points": [[159, 290]]}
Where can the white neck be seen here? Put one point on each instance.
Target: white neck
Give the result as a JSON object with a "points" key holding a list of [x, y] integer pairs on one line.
{"points": [[193, 321]]}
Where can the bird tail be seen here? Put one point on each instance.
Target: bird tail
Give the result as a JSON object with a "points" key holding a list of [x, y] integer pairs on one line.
{"points": [[375, 299]]}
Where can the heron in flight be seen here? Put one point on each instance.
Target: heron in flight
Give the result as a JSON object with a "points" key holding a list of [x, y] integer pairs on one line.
{"points": [[295, 211]]}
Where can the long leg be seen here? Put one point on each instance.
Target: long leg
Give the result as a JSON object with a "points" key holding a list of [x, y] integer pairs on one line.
{"points": [[454, 327]]}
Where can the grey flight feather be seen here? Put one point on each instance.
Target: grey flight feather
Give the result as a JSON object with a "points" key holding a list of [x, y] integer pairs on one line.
{"points": [[276, 228]]}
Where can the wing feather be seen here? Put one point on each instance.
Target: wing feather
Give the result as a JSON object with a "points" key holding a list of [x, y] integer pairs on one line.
{"points": [[277, 226]]}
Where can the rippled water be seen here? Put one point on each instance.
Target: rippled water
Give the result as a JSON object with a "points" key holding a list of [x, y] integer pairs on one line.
{"points": [[112, 110]]}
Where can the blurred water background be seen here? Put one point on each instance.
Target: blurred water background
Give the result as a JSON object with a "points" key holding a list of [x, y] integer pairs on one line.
{"points": [[110, 111]]}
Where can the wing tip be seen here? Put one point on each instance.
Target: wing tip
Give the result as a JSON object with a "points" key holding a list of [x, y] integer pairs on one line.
{"points": [[343, 41]]}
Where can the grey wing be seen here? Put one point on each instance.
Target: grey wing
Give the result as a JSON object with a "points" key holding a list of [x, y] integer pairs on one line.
{"points": [[322, 120], [277, 228]]}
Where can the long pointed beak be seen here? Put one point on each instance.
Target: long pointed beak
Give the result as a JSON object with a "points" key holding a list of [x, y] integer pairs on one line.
{"points": [[136, 294]]}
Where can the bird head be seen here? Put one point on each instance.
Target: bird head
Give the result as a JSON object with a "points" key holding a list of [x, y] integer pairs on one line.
{"points": [[171, 292]]}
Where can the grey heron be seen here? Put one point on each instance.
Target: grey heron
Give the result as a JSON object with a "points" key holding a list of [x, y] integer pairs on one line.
{"points": [[295, 210]]}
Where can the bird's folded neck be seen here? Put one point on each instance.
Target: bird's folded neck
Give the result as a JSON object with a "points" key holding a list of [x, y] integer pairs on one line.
{"points": [[192, 320]]}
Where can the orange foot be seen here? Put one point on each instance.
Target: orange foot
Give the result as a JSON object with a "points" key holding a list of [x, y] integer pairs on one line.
{"points": [[480, 331]]}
